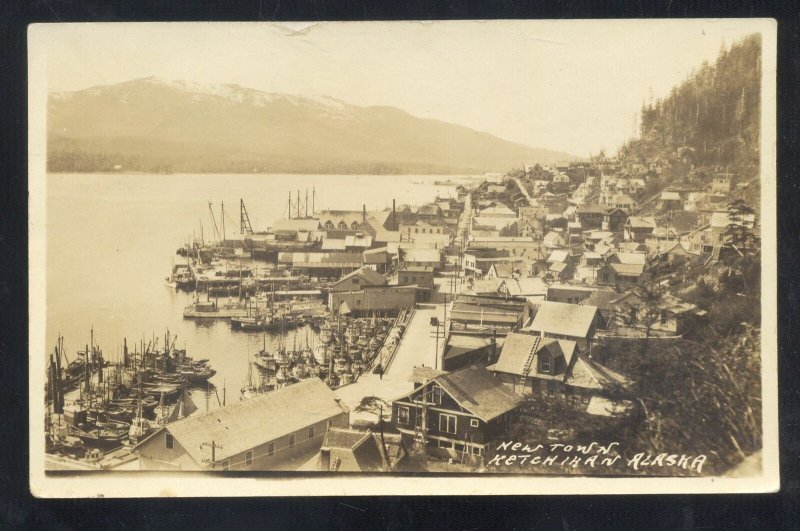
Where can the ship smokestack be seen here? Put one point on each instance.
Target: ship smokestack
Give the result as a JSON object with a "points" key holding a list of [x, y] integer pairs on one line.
{"points": [[363, 213], [394, 218]]}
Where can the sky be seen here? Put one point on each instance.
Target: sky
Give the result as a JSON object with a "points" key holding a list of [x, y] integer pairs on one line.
{"points": [[572, 86]]}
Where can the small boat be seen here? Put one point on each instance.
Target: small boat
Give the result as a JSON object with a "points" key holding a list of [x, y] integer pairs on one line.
{"points": [[168, 390], [105, 439], [147, 403], [194, 374], [210, 310], [265, 361]]}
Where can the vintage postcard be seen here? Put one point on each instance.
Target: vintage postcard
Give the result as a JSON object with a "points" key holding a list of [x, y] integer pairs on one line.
{"points": [[462, 257]]}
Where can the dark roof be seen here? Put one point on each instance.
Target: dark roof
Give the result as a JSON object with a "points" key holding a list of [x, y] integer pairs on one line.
{"points": [[421, 374], [602, 299], [480, 393], [343, 438]]}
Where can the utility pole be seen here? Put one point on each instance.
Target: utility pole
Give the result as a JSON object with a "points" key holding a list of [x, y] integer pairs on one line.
{"points": [[435, 322], [214, 447]]}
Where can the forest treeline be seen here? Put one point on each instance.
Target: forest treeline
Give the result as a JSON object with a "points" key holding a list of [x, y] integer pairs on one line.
{"points": [[712, 119]]}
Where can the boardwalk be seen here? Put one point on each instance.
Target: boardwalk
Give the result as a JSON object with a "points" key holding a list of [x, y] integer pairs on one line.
{"points": [[416, 348]]}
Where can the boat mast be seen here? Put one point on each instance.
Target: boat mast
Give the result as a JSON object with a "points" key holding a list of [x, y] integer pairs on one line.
{"points": [[222, 215], [213, 219]]}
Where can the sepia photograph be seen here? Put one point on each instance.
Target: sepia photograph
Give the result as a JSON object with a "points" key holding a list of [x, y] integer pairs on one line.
{"points": [[456, 257]]}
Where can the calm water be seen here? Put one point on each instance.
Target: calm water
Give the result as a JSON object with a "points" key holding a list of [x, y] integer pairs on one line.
{"points": [[112, 241]]}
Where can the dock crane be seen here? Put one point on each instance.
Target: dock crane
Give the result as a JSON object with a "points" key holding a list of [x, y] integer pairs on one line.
{"points": [[244, 219]]}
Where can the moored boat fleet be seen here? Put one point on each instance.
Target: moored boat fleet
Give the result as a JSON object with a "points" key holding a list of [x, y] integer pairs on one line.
{"points": [[111, 405]]}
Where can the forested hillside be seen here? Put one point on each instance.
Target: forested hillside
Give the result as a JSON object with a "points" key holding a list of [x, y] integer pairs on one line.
{"points": [[710, 120]]}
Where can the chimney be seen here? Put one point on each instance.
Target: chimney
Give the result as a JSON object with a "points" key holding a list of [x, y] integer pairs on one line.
{"points": [[394, 214], [363, 213]]}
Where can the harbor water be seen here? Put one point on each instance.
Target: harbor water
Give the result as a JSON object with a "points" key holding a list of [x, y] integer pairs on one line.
{"points": [[111, 241]]}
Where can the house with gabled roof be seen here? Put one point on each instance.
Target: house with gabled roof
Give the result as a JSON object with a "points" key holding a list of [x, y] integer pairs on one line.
{"points": [[556, 370], [639, 228], [623, 202], [461, 414], [671, 316], [670, 200], [348, 450], [266, 432], [358, 279], [621, 276], [557, 320]]}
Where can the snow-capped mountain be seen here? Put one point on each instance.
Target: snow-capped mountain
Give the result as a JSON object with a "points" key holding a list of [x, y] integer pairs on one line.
{"points": [[152, 124]]}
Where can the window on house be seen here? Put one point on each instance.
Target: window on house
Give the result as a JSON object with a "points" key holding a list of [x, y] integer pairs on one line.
{"points": [[271, 449], [402, 415], [458, 447], [447, 423], [170, 441], [633, 315], [248, 458], [291, 441], [551, 389], [663, 317], [445, 444], [477, 450], [475, 423], [311, 432], [435, 395], [544, 363]]}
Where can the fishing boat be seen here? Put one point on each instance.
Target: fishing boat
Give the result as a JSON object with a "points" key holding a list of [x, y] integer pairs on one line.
{"points": [[181, 277], [167, 390], [147, 403], [195, 374], [140, 427], [101, 438], [210, 310]]}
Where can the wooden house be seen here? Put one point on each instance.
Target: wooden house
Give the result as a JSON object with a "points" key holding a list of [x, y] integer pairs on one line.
{"points": [[639, 228], [614, 219], [669, 200], [558, 320], [555, 370], [670, 316], [458, 414], [590, 215]]}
